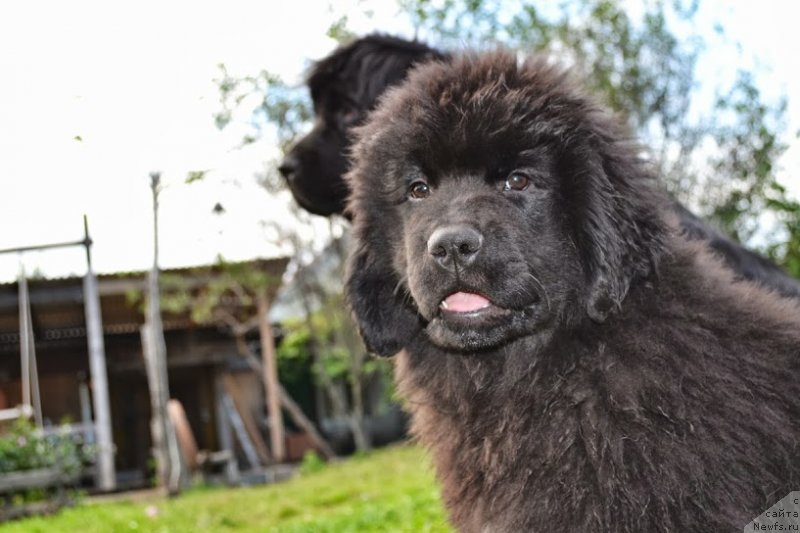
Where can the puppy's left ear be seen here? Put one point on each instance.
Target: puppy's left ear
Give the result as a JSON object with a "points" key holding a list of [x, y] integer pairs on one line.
{"points": [[386, 319], [622, 233]]}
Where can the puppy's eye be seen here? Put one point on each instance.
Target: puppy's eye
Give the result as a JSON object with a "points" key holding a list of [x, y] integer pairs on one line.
{"points": [[419, 190], [516, 181]]}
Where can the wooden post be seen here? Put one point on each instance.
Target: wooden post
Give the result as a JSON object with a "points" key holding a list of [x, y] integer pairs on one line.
{"points": [[155, 350], [241, 432], [157, 426], [271, 383], [247, 420]]}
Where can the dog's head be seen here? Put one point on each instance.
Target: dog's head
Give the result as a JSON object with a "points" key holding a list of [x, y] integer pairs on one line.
{"points": [[494, 200], [344, 87]]}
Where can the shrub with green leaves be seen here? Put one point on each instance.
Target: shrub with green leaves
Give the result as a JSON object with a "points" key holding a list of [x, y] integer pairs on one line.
{"points": [[23, 447]]}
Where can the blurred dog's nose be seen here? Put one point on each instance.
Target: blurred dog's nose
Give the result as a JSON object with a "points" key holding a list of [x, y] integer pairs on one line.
{"points": [[456, 245], [288, 167]]}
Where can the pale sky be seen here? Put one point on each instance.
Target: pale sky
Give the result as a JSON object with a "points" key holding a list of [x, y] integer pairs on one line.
{"points": [[134, 81]]}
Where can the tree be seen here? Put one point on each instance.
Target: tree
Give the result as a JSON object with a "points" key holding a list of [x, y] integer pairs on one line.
{"points": [[280, 108], [341, 365], [237, 296]]}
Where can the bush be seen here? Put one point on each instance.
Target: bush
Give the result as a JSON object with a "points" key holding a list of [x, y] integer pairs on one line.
{"points": [[23, 448]]}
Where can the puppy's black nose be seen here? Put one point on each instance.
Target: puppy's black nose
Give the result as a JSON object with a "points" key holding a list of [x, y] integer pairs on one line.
{"points": [[453, 246], [288, 167]]}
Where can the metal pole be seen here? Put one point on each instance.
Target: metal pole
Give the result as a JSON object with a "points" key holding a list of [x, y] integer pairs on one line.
{"points": [[24, 339], [106, 476], [40, 247], [30, 373], [36, 398]]}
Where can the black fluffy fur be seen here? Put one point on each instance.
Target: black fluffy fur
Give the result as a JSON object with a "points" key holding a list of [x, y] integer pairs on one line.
{"points": [[344, 87], [347, 84], [622, 380]]}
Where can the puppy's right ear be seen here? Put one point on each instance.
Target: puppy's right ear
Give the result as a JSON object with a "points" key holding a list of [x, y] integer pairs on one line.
{"points": [[386, 319]]}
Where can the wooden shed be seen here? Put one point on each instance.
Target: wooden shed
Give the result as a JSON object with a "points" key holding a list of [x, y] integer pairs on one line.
{"points": [[199, 357]]}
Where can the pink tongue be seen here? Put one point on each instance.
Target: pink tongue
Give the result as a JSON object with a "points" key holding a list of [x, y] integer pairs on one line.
{"points": [[464, 302]]}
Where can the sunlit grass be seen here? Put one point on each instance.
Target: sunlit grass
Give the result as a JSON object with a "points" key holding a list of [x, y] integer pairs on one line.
{"points": [[389, 490]]}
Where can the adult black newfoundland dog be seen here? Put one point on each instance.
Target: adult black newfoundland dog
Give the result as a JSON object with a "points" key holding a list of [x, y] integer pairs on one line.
{"points": [[345, 85], [572, 363]]}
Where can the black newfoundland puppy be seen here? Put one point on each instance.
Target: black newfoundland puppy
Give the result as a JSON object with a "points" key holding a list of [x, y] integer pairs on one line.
{"points": [[572, 363], [345, 85]]}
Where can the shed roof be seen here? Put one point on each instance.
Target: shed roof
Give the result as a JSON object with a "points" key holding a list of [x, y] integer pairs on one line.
{"points": [[57, 304]]}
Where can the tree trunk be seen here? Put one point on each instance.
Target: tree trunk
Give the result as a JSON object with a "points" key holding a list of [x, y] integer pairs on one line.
{"points": [[360, 434]]}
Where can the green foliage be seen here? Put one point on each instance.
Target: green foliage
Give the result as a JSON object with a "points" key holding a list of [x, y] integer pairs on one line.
{"points": [[294, 353], [236, 282], [334, 358], [455, 22], [312, 463], [296, 341], [195, 175], [338, 31], [271, 103], [175, 293], [787, 251], [743, 184], [203, 292], [23, 448], [391, 490]]}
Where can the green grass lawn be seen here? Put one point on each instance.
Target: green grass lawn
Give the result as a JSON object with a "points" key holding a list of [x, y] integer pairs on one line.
{"points": [[389, 490]]}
